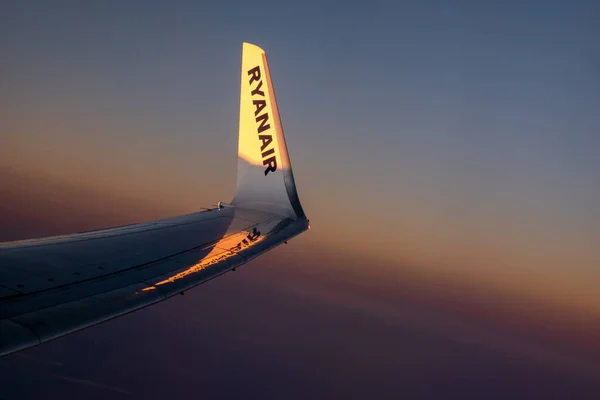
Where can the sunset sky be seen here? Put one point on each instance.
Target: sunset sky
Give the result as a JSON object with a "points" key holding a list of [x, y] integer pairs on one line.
{"points": [[447, 156]]}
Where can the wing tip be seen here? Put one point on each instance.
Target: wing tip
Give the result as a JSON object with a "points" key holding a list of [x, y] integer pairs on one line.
{"points": [[247, 46]]}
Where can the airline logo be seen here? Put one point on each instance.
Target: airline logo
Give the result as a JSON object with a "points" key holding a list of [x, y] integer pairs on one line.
{"points": [[263, 128]]}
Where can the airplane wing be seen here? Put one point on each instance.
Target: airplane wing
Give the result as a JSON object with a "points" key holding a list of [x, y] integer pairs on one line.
{"points": [[53, 286]]}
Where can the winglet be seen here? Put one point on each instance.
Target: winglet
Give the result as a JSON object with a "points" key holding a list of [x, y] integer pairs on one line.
{"points": [[265, 179]]}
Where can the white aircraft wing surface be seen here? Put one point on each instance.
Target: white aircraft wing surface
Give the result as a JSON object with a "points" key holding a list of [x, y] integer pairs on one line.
{"points": [[52, 286]]}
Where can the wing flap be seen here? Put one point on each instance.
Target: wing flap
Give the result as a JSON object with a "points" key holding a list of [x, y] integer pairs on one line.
{"points": [[52, 322], [15, 337]]}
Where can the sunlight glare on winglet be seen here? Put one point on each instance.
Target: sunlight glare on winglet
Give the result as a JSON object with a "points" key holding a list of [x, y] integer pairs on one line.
{"points": [[265, 179]]}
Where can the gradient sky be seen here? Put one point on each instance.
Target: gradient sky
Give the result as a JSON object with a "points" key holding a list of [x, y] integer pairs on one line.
{"points": [[448, 156]]}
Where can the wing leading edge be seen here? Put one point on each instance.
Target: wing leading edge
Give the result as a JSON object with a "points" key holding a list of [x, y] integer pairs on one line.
{"points": [[54, 286]]}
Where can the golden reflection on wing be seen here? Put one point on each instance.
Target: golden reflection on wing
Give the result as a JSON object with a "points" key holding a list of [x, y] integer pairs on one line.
{"points": [[227, 247]]}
